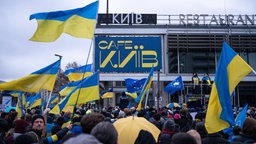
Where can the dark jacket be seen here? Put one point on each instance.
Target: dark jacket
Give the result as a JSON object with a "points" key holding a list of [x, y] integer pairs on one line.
{"points": [[50, 139], [243, 139], [214, 139]]}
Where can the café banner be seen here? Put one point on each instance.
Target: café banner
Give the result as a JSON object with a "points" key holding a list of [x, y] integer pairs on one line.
{"points": [[128, 54]]}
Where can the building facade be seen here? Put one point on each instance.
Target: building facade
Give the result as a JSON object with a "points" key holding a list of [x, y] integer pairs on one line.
{"points": [[126, 46]]}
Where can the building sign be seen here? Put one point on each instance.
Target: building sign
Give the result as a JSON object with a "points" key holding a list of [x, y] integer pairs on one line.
{"points": [[222, 20], [180, 19], [128, 54], [124, 18]]}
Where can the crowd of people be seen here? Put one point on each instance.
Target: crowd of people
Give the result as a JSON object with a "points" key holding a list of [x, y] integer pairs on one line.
{"points": [[93, 126]]}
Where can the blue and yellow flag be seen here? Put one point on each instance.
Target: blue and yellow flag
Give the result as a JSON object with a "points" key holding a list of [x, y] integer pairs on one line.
{"points": [[35, 100], [19, 105], [43, 106], [41, 79], [175, 85], [146, 86], [69, 88], [79, 73], [78, 22], [87, 90], [54, 99], [134, 85], [108, 94], [230, 71]]}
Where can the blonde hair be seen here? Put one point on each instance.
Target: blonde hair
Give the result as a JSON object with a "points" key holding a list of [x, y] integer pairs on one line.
{"points": [[196, 135]]}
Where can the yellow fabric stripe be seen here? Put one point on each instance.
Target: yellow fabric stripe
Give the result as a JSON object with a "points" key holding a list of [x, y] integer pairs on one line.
{"points": [[66, 91], [86, 94], [50, 30], [237, 70], [78, 76], [213, 113], [54, 138], [36, 103], [31, 83]]}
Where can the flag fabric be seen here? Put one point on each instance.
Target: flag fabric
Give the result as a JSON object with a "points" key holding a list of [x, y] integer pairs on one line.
{"points": [[54, 99], [241, 117], [78, 22], [35, 100], [19, 105], [77, 74], [28, 99], [69, 88], [43, 105], [132, 94], [230, 71], [108, 94], [146, 86], [14, 93], [175, 85], [41, 79], [134, 85], [87, 90]]}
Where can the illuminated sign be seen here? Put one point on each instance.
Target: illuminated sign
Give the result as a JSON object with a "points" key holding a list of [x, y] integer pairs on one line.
{"points": [[180, 19], [126, 18], [128, 54]]}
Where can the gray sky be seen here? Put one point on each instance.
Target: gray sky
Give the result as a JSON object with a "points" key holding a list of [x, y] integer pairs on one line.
{"points": [[20, 57]]}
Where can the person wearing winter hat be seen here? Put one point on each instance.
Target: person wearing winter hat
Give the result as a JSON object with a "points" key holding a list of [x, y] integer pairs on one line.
{"points": [[37, 127], [248, 132], [105, 132], [76, 130], [169, 129], [20, 127]]}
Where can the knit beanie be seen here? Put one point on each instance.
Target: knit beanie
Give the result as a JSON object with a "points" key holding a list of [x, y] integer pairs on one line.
{"points": [[20, 126], [37, 117]]}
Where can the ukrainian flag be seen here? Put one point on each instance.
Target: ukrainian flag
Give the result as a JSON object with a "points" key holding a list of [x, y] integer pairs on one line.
{"points": [[35, 100], [231, 70], [79, 73], [78, 22], [19, 105], [54, 99], [69, 88], [41, 79], [146, 86], [87, 90], [108, 94]]}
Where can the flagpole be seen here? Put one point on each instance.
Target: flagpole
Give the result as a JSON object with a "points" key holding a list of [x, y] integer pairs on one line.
{"points": [[79, 90], [50, 96], [254, 72], [158, 89], [146, 102]]}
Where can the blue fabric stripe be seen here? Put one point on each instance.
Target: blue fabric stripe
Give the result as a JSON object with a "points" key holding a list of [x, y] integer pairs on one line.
{"points": [[51, 69], [89, 12], [53, 98], [222, 84], [82, 69]]}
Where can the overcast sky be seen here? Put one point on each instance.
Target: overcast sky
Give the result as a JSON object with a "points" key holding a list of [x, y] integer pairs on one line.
{"points": [[20, 57]]}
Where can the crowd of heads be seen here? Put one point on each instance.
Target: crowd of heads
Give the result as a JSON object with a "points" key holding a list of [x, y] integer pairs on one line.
{"points": [[91, 125]]}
